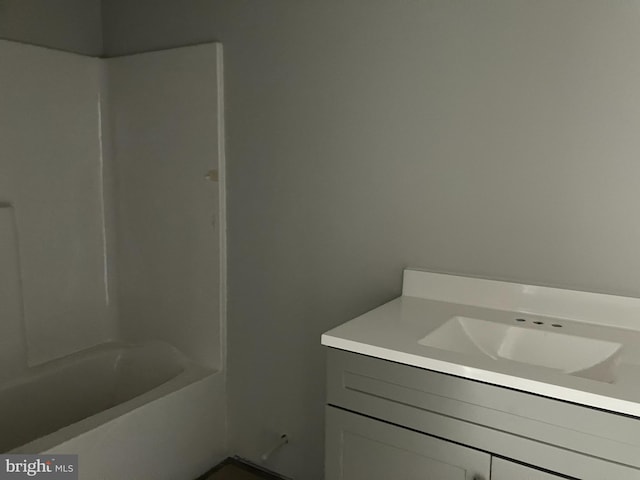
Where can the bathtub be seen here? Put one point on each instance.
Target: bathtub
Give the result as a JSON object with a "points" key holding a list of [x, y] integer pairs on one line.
{"points": [[138, 412]]}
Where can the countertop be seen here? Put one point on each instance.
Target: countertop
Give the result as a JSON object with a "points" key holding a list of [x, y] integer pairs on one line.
{"points": [[393, 330]]}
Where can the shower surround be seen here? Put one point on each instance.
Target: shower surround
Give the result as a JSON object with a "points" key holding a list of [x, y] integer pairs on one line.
{"points": [[112, 271]]}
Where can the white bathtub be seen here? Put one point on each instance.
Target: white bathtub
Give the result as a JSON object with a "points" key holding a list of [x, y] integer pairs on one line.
{"points": [[138, 412]]}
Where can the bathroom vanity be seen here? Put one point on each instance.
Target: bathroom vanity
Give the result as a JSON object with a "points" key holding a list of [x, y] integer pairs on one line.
{"points": [[471, 379]]}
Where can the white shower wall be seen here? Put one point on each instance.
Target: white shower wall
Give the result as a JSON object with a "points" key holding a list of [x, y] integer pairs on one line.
{"points": [[51, 175], [164, 118], [117, 233]]}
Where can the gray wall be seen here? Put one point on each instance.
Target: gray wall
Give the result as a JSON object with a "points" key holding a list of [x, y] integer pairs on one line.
{"points": [[488, 137], [71, 25]]}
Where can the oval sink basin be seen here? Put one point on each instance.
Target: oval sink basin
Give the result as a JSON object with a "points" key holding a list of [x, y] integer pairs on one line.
{"points": [[580, 356]]}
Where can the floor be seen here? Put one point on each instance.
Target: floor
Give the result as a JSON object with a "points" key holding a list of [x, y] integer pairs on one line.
{"points": [[232, 469]]}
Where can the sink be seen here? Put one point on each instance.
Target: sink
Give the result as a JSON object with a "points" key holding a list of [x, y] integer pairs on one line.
{"points": [[573, 355]]}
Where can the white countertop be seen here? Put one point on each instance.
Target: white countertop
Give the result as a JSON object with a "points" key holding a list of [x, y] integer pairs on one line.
{"points": [[392, 332]]}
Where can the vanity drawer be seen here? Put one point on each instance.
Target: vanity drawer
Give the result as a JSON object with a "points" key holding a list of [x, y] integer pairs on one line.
{"points": [[510, 423]]}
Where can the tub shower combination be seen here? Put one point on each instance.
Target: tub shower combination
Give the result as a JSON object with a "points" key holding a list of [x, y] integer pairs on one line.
{"points": [[111, 275]]}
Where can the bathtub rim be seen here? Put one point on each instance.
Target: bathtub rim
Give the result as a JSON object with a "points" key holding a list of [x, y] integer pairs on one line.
{"points": [[191, 373], [113, 346]]}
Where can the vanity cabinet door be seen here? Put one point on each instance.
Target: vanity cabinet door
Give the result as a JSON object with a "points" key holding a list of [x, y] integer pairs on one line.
{"points": [[505, 470], [361, 448]]}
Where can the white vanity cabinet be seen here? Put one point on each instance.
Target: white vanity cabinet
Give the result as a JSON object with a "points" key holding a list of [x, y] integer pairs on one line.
{"points": [[387, 420], [472, 379]]}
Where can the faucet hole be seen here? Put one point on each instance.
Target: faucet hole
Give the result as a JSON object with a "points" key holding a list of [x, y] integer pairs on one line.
{"points": [[538, 322], [520, 320], [557, 325]]}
